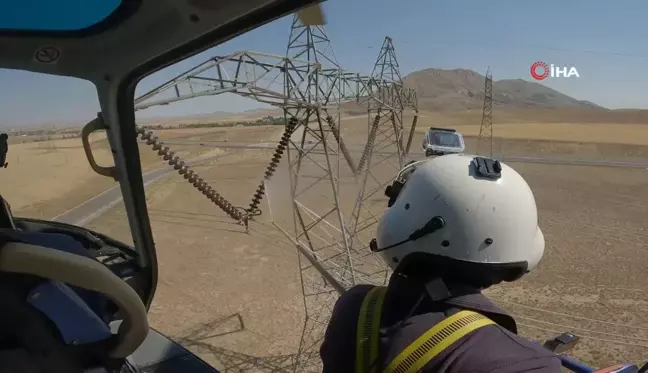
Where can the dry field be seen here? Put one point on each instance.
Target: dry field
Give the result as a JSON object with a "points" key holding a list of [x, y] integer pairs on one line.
{"points": [[590, 281], [584, 132], [630, 134], [70, 180], [235, 298], [50, 177], [228, 295]]}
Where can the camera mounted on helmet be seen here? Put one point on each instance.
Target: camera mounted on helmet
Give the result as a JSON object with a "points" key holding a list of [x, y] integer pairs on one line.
{"points": [[392, 191]]}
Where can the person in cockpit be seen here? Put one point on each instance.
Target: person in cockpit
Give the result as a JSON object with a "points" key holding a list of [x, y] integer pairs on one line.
{"points": [[453, 229], [4, 148]]}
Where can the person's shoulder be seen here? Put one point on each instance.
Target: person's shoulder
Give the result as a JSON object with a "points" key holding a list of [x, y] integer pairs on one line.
{"points": [[496, 349], [347, 308], [491, 348], [354, 295], [359, 290]]}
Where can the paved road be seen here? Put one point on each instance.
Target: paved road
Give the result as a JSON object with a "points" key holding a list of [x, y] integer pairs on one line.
{"points": [[544, 160], [94, 207], [576, 162], [99, 204], [567, 161]]}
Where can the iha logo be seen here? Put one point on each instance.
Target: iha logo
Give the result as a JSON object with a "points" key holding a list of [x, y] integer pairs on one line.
{"points": [[541, 71]]}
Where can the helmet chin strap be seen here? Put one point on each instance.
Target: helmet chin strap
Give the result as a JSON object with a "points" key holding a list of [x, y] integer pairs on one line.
{"points": [[430, 227]]}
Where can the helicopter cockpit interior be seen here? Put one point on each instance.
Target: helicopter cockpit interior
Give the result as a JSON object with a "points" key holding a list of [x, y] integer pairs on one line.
{"points": [[74, 300], [79, 297]]}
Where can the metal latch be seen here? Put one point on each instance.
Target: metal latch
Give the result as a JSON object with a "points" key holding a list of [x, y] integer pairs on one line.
{"points": [[488, 168]]}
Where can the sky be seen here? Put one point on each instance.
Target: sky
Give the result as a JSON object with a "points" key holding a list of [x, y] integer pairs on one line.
{"points": [[604, 40]]}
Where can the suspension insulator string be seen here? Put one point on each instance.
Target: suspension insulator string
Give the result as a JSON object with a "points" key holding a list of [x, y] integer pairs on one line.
{"points": [[253, 209], [191, 176]]}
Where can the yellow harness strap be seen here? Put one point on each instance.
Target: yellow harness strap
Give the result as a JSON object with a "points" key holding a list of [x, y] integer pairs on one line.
{"points": [[368, 328], [415, 356]]}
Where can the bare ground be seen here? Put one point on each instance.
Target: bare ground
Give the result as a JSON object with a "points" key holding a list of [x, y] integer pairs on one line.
{"points": [[235, 298], [71, 181], [593, 265], [226, 294]]}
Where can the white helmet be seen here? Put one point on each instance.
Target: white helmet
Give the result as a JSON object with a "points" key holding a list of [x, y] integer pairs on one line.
{"points": [[467, 208]]}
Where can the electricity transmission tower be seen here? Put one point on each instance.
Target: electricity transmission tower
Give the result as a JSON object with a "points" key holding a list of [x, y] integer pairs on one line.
{"points": [[383, 155], [309, 87], [318, 219], [485, 139]]}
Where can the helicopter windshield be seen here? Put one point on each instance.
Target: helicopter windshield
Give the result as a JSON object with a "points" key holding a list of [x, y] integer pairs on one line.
{"points": [[45, 144], [521, 118], [259, 164]]}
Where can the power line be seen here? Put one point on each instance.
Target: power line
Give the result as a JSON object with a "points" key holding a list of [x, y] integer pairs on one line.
{"points": [[530, 46], [572, 316], [579, 328]]}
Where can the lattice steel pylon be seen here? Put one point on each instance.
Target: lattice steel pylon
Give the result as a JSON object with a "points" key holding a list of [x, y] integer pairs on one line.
{"points": [[485, 139], [315, 191], [387, 116], [384, 153], [329, 265], [309, 86]]}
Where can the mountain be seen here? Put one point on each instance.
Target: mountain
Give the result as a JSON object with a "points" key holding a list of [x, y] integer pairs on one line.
{"points": [[440, 89]]}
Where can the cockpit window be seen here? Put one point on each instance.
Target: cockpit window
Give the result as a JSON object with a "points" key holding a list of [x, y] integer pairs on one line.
{"points": [[54, 15]]}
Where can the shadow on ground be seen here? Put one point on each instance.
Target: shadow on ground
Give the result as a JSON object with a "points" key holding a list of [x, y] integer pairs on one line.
{"points": [[201, 340]]}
